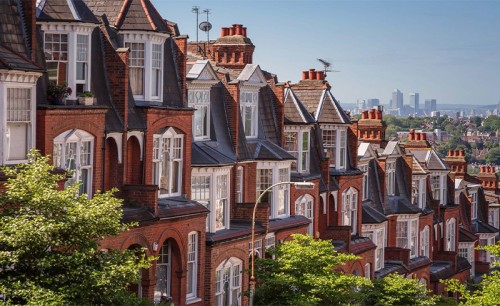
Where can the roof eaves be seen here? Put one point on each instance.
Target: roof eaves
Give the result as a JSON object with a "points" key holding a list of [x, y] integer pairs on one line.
{"points": [[320, 106]]}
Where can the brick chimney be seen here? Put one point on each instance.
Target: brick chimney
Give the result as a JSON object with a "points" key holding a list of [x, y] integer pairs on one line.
{"points": [[371, 127], [233, 49], [314, 75], [457, 163], [417, 140], [489, 179]]}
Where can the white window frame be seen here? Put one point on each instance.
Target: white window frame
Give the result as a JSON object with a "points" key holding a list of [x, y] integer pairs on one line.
{"points": [[304, 206], [474, 200], [149, 40], [365, 184], [72, 31], [229, 271], [156, 69], [249, 101], [451, 234], [192, 266], [175, 159], [257, 248], [493, 216], [390, 174], [339, 160], [200, 100], [439, 187], [466, 250], [164, 259], [83, 57], [349, 211], [300, 148], [425, 241], [377, 234], [60, 155], [278, 196], [418, 191], [239, 184], [217, 196], [408, 240], [13, 115], [486, 239]]}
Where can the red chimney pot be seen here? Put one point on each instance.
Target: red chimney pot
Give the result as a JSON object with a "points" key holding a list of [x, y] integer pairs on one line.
{"points": [[320, 75], [305, 75], [423, 136]]}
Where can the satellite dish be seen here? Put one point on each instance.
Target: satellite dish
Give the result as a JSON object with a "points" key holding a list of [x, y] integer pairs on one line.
{"points": [[205, 26]]}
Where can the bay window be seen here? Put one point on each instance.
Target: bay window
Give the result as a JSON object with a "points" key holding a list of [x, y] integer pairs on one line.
{"points": [[390, 174], [156, 69], [136, 67], [19, 111], [439, 188], [304, 207], [192, 266], [424, 242], [493, 217], [335, 145], [365, 183], [68, 55], [297, 144], [269, 173], [74, 151], [249, 101], [451, 227], [474, 205], [168, 155], [200, 100], [418, 191], [377, 236], [486, 256], [210, 187], [228, 282], [407, 235], [349, 211], [466, 250], [163, 272]]}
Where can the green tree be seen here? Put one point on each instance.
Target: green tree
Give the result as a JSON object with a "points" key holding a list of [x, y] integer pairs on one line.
{"points": [[493, 156], [486, 293], [305, 272], [395, 289], [49, 242], [491, 124]]}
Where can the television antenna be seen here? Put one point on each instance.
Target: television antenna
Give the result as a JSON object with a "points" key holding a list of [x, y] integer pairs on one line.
{"points": [[196, 10], [326, 66]]}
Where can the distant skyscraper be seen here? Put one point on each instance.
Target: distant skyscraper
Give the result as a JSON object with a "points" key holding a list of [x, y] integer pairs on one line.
{"points": [[430, 106], [372, 102], [397, 99], [414, 101]]}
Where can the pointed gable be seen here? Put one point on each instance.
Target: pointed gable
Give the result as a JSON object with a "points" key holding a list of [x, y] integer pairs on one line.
{"points": [[295, 111], [252, 74], [202, 71], [65, 10], [135, 15], [329, 110]]}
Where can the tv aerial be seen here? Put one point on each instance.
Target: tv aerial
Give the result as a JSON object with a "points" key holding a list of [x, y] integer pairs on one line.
{"points": [[326, 66]]}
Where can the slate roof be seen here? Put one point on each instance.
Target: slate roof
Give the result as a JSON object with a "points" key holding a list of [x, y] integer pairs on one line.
{"points": [[266, 150], [429, 158], [465, 235], [65, 10], [211, 153], [138, 15], [479, 226], [14, 49], [372, 215], [237, 229], [289, 222], [401, 205], [295, 111]]}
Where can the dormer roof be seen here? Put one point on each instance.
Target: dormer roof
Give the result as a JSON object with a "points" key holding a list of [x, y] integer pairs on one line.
{"points": [[64, 10], [295, 111], [430, 159], [252, 74], [201, 70], [133, 15], [366, 150]]}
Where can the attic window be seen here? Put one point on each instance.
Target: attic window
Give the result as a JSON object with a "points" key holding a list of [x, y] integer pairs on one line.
{"points": [[200, 99], [249, 112], [297, 144], [335, 146], [390, 172]]}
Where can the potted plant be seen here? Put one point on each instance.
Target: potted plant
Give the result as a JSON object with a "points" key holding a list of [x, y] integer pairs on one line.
{"points": [[58, 93], [86, 98]]}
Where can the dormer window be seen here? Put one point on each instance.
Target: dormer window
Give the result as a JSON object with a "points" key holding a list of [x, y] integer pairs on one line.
{"points": [[200, 100], [145, 64], [474, 205], [390, 174], [335, 145], [451, 226], [297, 144], [418, 191], [67, 54], [438, 186], [249, 112], [168, 155], [365, 185]]}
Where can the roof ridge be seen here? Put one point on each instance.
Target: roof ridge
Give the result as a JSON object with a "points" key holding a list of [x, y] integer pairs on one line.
{"points": [[146, 11], [121, 15]]}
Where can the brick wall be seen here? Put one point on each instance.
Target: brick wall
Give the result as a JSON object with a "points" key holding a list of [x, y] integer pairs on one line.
{"points": [[142, 194]]}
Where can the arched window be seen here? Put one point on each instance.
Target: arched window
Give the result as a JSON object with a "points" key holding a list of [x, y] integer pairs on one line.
{"points": [[163, 273], [74, 151], [451, 226], [349, 213], [304, 206], [168, 152], [228, 282], [192, 265]]}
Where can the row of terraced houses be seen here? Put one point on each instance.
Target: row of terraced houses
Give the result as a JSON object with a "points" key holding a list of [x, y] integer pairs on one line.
{"points": [[191, 134]]}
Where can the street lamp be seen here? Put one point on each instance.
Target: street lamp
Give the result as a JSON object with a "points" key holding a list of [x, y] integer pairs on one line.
{"points": [[298, 185]]}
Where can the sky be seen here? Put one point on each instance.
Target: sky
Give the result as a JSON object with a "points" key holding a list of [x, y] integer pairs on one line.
{"points": [[446, 50]]}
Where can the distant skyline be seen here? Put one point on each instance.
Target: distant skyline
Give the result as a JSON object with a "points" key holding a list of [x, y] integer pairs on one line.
{"points": [[444, 50]]}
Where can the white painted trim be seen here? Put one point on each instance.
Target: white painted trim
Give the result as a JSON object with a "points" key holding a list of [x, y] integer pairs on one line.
{"points": [[140, 137], [118, 137]]}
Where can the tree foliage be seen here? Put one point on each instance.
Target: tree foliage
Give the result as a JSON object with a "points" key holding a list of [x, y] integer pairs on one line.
{"points": [[305, 272], [493, 156], [49, 242], [395, 289], [488, 290]]}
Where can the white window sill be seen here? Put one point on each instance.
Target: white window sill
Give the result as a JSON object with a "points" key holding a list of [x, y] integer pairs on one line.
{"points": [[192, 300]]}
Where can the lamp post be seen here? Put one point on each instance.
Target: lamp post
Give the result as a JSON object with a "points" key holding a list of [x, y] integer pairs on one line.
{"points": [[298, 185]]}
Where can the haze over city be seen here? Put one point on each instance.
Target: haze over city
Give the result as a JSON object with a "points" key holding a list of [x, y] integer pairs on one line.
{"points": [[444, 50]]}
